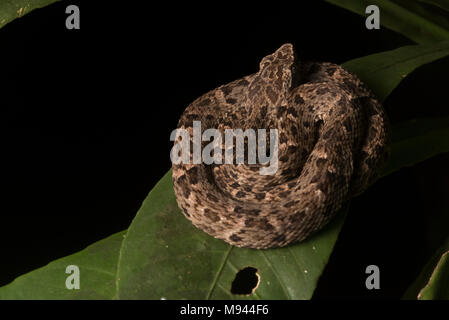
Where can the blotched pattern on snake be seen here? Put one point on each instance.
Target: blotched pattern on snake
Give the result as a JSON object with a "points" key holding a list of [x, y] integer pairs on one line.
{"points": [[333, 138]]}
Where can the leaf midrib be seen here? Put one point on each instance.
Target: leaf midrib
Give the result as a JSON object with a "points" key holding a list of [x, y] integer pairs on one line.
{"points": [[217, 275]]}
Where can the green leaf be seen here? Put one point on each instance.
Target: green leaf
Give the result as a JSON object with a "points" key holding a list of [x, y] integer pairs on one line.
{"points": [[438, 286], [401, 18], [12, 9], [97, 270], [166, 257], [417, 140], [432, 12], [433, 281], [382, 72]]}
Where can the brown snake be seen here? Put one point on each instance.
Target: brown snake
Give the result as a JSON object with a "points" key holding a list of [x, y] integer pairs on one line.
{"points": [[333, 137]]}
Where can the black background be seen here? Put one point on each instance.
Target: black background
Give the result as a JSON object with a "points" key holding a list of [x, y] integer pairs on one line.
{"points": [[86, 117]]}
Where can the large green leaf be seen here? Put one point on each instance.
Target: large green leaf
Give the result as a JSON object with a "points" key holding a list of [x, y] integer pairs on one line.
{"points": [[417, 140], [12, 9], [97, 273], [432, 12], [164, 256], [407, 18], [382, 72]]}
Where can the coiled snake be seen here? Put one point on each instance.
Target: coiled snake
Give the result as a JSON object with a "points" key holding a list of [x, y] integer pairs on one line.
{"points": [[333, 137]]}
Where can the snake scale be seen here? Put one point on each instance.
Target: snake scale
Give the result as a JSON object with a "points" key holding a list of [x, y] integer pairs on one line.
{"points": [[333, 138]]}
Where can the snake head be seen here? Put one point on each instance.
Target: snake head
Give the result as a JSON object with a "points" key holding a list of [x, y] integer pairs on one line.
{"points": [[271, 85]]}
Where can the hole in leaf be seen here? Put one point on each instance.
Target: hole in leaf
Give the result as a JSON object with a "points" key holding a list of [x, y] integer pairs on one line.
{"points": [[246, 281]]}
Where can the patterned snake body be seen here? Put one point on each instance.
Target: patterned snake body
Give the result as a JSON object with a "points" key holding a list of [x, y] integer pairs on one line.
{"points": [[333, 137]]}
